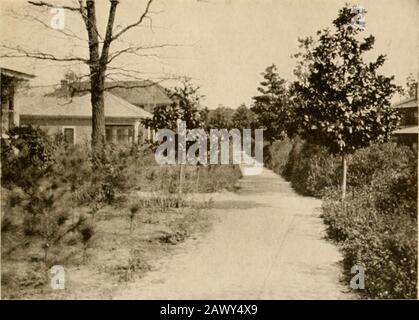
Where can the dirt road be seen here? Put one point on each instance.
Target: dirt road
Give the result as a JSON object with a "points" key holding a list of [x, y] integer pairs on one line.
{"points": [[268, 243]]}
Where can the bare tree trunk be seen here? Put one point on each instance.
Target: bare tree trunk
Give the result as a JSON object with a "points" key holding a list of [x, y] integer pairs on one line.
{"points": [[344, 173], [97, 71], [96, 80], [98, 113]]}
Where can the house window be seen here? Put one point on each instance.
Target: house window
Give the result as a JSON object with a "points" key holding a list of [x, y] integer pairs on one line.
{"points": [[69, 135], [120, 134]]}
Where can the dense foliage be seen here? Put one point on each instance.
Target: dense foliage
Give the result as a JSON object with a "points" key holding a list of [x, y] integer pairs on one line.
{"points": [[271, 105], [53, 195], [376, 226]]}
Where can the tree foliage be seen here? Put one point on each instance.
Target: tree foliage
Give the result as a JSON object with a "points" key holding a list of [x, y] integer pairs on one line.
{"points": [[220, 118], [186, 106], [244, 118], [341, 101], [271, 106]]}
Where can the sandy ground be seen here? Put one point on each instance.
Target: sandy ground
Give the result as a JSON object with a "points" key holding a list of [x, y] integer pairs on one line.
{"points": [[268, 243]]}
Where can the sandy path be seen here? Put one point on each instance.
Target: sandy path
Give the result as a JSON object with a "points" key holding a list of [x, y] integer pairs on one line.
{"points": [[270, 245]]}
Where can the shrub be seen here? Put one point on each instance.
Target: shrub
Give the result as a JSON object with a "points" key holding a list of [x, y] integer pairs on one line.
{"points": [[377, 224], [311, 169], [25, 156], [276, 155], [367, 162]]}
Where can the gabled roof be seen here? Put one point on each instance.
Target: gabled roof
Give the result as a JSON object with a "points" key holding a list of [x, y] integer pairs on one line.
{"points": [[406, 103], [16, 74], [77, 106], [143, 92]]}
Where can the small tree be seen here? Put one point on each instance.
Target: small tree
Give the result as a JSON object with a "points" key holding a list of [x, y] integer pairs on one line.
{"points": [[270, 106], [343, 103], [186, 107]]}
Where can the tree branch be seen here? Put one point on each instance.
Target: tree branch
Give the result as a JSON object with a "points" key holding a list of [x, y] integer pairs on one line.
{"points": [[21, 53], [108, 35], [134, 50], [135, 24], [50, 5]]}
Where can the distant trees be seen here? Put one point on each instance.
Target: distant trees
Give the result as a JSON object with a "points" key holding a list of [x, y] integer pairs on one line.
{"points": [[228, 118], [411, 90], [341, 100], [271, 106], [244, 118], [220, 118]]}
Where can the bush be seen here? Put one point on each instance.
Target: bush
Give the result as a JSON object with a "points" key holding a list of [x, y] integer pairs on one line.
{"points": [[377, 224], [276, 155], [25, 156], [52, 191], [311, 169]]}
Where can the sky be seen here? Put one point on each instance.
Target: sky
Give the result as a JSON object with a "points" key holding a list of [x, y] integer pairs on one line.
{"points": [[223, 45]]}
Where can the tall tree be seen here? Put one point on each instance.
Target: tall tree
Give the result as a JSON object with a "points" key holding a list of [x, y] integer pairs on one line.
{"points": [[343, 103], [270, 106], [99, 53]]}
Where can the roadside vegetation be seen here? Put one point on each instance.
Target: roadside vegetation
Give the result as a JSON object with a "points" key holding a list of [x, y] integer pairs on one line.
{"points": [[376, 225], [336, 124], [106, 219]]}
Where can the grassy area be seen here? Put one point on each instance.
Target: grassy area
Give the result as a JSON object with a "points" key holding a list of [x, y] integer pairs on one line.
{"points": [[121, 250], [107, 221]]}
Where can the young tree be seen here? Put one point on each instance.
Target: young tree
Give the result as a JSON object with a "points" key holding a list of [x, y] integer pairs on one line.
{"points": [[99, 51], [186, 107], [343, 103], [271, 107]]}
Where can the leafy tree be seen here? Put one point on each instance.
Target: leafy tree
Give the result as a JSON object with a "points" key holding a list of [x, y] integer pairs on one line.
{"points": [[244, 118], [220, 118], [25, 157], [343, 103], [186, 107], [270, 106]]}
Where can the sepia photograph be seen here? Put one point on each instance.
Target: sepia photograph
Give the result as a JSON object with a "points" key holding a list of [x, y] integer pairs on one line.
{"points": [[201, 150]]}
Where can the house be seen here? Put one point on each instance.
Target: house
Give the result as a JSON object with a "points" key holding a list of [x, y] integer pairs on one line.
{"points": [[407, 134], [10, 81], [72, 116], [143, 94]]}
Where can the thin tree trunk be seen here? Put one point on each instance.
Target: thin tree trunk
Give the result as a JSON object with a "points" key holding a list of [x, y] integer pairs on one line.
{"points": [[344, 173], [181, 179]]}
